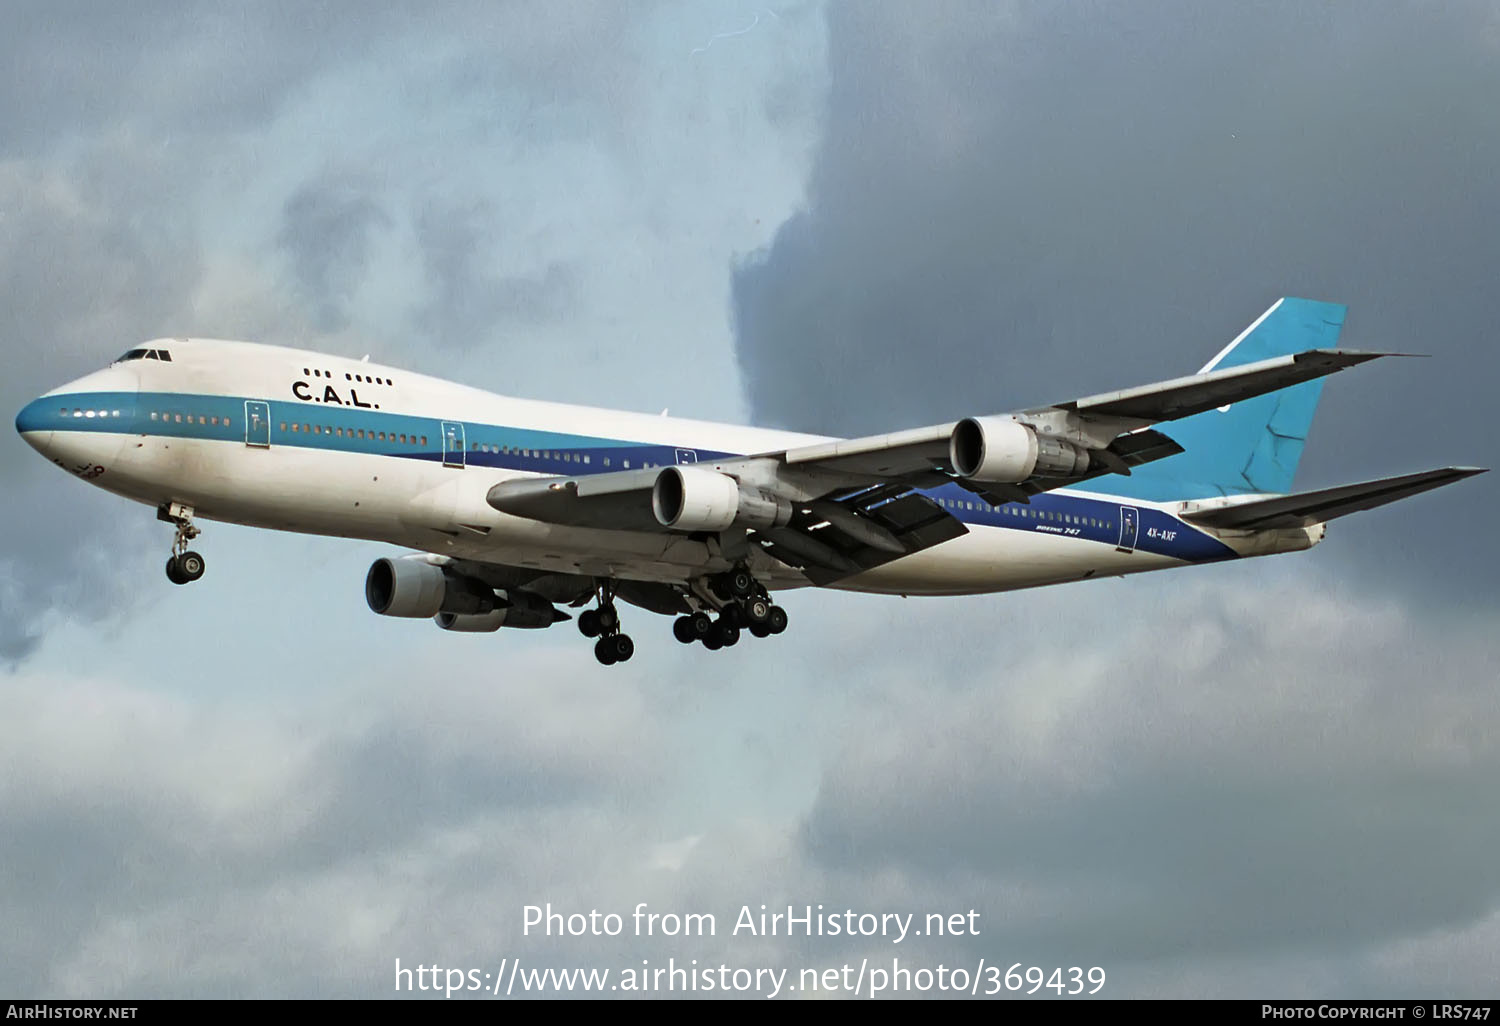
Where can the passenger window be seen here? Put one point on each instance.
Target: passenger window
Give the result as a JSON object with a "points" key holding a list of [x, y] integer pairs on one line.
{"points": [[424, 440]]}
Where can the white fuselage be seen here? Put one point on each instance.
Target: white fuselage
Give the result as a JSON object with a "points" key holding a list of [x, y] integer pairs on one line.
{"points": [[299, 441]]}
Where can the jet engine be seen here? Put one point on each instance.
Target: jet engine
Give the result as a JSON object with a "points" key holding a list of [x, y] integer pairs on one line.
{"points": [[1000, 450], [416, 588], [694, 499]]}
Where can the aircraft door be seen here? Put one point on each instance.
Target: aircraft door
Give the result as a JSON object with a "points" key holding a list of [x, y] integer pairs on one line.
{"points": [[453, 444], [1130, 525], [686, 456], [257, 423]]}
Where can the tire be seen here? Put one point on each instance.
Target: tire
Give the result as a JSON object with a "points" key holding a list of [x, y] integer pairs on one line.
{"points": [[741, 583], [191, 566], [732, 614], [609, 620], [729, 634], [682, 630], [588, 623], [173, 573], [756, 610], [624, 648], [712, 641], [777, 620], [604, 651], [760, 630], [702, 626]]}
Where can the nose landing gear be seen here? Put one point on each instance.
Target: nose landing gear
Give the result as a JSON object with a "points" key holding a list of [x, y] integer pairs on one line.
{"points": [[184, 566]]}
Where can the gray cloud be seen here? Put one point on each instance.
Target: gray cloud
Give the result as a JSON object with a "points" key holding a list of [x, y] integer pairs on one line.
{"points": [[90, 271], [163, 841], [1288, 774], [325, 230], [1014, 205], [471, 303], [1191, 816]]}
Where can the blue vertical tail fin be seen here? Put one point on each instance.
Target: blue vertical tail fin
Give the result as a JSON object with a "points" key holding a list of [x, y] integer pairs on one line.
{"points": [[1254, 445]]}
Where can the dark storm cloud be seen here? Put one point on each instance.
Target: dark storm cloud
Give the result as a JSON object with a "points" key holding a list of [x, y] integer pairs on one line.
{"points": [[1020, 205]]}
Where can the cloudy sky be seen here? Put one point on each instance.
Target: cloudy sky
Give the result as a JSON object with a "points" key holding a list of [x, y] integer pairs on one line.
{"points": [[1243, 780]]}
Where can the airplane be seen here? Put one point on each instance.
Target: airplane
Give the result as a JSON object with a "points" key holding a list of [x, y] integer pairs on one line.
{"points": [[515, 507]]}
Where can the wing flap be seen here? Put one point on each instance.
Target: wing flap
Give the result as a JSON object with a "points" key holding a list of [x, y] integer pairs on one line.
{"points": [[826, 549], [1306, 508]]}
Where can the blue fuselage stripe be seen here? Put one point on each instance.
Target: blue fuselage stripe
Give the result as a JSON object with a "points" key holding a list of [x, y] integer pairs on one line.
{"points": [[381, 433]]}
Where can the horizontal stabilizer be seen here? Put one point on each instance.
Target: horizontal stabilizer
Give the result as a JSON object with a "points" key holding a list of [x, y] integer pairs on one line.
{"points": [[1305, 508]]}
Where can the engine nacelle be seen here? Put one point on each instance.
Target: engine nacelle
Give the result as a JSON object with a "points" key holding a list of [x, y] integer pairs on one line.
{"points": [[416, 588], [519, 609], [1000, 450], [694, 499]]}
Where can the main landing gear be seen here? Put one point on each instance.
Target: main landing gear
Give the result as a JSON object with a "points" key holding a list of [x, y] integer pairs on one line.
{"points": [[604, 623], [183, 566], [747, 606]]}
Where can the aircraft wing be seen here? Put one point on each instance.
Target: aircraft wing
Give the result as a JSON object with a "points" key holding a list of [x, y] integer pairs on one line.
{"points": [[1306, 508], [1102, 424], [857, 503]]}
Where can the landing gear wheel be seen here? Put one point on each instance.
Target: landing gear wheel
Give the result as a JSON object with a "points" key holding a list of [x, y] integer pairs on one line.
{"points": [[609, 620], [777, 620], [588, 623], [756, 610], [604, 651], [190, 566], [713, 642], [741, 583], [185, 566], [622, 647], [760, 630], [682, 630], [732, 615], [727, 633], [702, 626]]}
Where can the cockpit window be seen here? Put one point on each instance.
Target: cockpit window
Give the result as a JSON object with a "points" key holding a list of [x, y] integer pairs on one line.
{"points": [[146, 354]]}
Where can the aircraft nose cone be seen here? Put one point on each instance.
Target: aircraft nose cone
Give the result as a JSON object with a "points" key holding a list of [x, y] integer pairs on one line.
{"points": [[34, 424]]}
